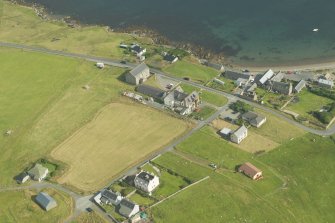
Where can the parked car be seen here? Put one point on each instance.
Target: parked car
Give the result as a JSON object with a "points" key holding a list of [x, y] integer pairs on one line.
{"points": [[186, 78], [89, 209], [213, 165]]}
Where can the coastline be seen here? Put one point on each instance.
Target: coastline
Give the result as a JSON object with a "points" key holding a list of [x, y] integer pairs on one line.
{"points": [[197, 51]]}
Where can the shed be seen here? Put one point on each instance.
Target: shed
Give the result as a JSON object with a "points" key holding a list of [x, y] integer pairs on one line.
{"points": [[250, 170], [45, 201], [22, 178]]}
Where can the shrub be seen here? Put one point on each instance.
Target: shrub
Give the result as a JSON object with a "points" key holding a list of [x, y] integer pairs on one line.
{"points": [[241, 107]]}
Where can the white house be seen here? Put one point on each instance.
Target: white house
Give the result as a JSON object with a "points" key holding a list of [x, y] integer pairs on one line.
{"points": [[239, 135], [108, 197], [136, 49], [128, 208], [146, 182]]}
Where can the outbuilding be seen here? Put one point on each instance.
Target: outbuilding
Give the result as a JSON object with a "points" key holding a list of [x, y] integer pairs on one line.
{"points": [[45, 201], [251, 171]]}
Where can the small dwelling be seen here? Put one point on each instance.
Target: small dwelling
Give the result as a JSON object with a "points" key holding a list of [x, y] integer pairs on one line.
{"points": [[100, 65], [239, 135], [136, 49], [254, 119], [326, 83], [300, 86], [138, 75], [128, 208], [108, 197], [146, 181], [170, 58], [22, 178], [225, 132], [45, 201], [250, 170], [38, 172]]}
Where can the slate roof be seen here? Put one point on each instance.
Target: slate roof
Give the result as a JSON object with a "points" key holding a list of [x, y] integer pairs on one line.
{"points": [[139, 69], [151, 91], [278, 77], [110, 195], [235, 75], [19, 178], [126, 207], [326, 82], [169, 57], [137, 48], [45, 201], [145, 176], [253, 117]]}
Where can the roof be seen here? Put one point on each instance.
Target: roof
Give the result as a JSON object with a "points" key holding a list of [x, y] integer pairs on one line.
{"points": [[278, 77], [235, 75], [45, 201], [170, 57], [21, 176], [253, 117], [38, 170], [145, 176], [137, 48], [240, 131], [110, 195], [300, 85], [268, 74], [151, 91], [139, 69], [326, 82], [249, 169], [126, 207], [225, 131], [252, 87]]}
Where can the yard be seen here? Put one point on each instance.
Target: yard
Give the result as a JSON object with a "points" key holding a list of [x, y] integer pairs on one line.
{"points": [[271, 99], [295, 187], [192, 70], [43, 103], [19, 206], [21, 25], [121, 135], [308, 102]]}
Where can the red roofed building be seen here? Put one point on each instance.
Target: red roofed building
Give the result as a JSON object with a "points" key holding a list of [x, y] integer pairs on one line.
{"points": [[250, 170]]}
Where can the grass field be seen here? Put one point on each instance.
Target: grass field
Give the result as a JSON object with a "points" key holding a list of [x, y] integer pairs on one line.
{"points": [[120, 136], [253, 143], [89, 218], [308, 102], [295, 187], [194, 71], [19, 206], [43, 102]]}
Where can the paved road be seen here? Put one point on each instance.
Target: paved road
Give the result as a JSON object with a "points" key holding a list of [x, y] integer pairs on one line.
{"points": [[328, 132]]}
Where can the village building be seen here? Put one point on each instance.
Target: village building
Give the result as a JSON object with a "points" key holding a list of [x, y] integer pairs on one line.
{"points": [[278, 77], [138, 75], [254, 119], [22, 178], [326, 83], [128, 208], [38, 172], [239, 135], [281, 87], [170, 58], [235, 75], [45, 201], [146, 182], [225, 132], [250, 170], [182, 102], [136, 49], [108, 197], [150, 91], [241, 82], [300, 86], [249, 95], [267, 76]]}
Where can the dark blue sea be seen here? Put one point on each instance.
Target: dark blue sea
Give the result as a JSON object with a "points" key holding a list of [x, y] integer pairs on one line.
{"points": [[254, 32]]}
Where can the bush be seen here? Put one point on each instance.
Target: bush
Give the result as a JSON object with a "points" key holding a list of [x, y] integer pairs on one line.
{"points": [[323, 92], [241, 107], [326, 117]]}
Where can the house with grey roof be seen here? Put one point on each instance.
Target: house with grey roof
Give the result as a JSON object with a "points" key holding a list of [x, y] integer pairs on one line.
{"points": [[136, 49], [38, 172], [150, 91], [254, 119], [138, 75], [108, 197], [239, 135], [170, 58], [22, 178], [280, 87], [236, 75], [128, 208], [266, 76], [146, 181], [45, 201], [300, 86], [182, 102], [326, 83]]}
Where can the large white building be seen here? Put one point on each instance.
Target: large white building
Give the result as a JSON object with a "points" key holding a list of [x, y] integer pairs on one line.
{"points": [[239, 135], [146, 182]]}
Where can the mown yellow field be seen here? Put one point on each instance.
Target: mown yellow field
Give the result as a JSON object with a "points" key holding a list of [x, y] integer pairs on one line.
{"points": [[120, 135]]}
